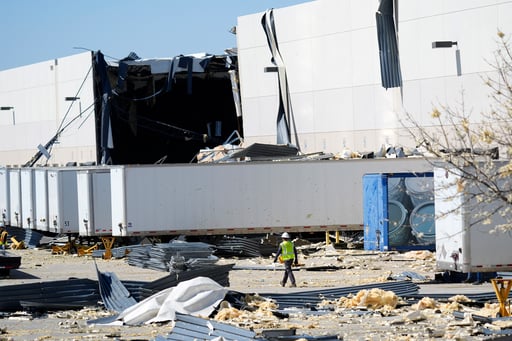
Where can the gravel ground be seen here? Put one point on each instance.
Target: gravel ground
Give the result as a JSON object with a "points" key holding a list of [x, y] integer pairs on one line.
{"points": [[350, 319]]}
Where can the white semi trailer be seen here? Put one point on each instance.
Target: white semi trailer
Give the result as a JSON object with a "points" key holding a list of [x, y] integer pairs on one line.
{"points": [[196, 199], [94, 210], [245, 197], [467, 239]]}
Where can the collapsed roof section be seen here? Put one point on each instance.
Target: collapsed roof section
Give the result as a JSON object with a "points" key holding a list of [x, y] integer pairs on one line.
{"points": [[163, 110]]}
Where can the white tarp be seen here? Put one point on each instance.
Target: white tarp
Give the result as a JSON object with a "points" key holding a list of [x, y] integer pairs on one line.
{"points": [[197, 297]]}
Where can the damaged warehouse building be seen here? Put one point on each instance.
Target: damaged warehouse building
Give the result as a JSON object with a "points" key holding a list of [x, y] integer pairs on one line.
{"points": [[309, 86], [164, 111]]}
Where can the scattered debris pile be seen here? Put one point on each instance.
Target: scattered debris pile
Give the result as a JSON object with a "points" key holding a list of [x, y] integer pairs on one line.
{"points": [[230, 246], [173, 257], [30, 238], [67, 294], [390, 305]]}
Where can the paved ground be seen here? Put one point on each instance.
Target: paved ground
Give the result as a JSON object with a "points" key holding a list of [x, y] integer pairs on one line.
{"points": [[257, 275]]}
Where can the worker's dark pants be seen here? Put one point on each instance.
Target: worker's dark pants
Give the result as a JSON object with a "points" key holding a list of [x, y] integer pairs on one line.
{"points": [[288, 273]]}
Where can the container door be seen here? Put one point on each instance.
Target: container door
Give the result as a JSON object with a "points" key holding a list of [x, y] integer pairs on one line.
{"points": [[118, 201], [450, 221], [69, 193], [101, 202], [374, 202], [5, 210], [85, 216], [15, 198], [54, 199], [41, 200], [28, 197]]}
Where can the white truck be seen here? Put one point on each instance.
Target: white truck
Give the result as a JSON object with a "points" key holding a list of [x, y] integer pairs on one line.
{"points": [[466, 236]]}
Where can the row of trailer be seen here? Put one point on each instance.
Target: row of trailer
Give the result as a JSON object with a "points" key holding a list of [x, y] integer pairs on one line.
{"points": [[56, 200], [192, 199]]}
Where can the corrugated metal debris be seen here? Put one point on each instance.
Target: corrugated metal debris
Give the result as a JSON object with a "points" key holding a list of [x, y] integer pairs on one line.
{"points": [[188, 327], [310, 299], [266, 152], [116, 295], [195, 328], [172, 257], [142, 290], [30, 238], [478, 298], [198, 297], [238, 246], [113, 293], [65, 294]]}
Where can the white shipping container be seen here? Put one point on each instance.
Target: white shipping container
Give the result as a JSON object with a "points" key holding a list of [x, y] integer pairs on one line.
{"points": [[15, 197], [251, 197], [466, 239], [41, 195], [5, 204], [94, 207], [62, 200], [28, 197]]}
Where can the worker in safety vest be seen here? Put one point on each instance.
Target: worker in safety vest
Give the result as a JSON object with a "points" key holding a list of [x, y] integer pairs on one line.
{"points": [[288, 254], [3, 238]]}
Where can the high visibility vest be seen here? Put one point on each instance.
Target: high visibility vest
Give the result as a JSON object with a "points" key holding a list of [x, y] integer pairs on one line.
{"points": [[287, 250]]}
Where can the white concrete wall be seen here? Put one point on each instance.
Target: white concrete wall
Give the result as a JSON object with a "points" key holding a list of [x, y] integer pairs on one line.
{"points": [[37, 92], [330, 50]]}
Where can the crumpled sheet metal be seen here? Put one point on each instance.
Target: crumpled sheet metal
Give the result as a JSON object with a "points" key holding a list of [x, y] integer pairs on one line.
{"points": [[197, 297], [194, 328], [113, 293]]}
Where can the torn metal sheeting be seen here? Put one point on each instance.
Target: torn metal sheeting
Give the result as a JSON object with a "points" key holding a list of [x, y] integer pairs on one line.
{"points": [[31, 238], [462, 315], [113, 293], [161, 256], [190, 328], [236, 246], [266, 152], [408, 275], [314, 297], [480, 297], [198, 297], [71, 293], [142, 290]]}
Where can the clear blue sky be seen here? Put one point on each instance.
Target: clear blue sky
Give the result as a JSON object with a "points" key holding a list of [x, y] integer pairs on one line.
{"points": [[33, 31]]}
